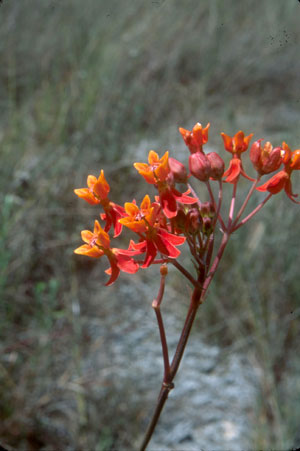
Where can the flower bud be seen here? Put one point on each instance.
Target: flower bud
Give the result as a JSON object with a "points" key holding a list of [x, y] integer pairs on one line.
{"points": [[255, 152], [207, 223], [199, 166], [207, 209], [194, 220], [265, 159], [179, 222], [178, 170], [217, 165]]}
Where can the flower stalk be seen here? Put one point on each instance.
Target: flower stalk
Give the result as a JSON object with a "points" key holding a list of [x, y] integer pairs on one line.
{"points": [[177, 217]]}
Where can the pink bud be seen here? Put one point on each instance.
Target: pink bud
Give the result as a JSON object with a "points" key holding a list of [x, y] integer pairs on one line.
{"points": [[265, 159], [199, 166], [255, 152], [178, 170], [217, 165]]}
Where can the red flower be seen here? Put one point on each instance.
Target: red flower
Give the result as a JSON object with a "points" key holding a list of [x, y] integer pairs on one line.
{"points": [[146, 222], [97, 193], [236, 145], [282, 180], [196, 138], [98, 244], [169, 196]]}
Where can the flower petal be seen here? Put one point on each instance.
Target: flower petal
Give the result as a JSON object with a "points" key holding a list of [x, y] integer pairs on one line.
{"points": [[228, 144], [114, 271], [102, 236], [150, 254], [101, 187], [275, 184], [153, 157], [126, 263], [91, 180], [87, 195], [87, 236], [89, 251], [233, 171], [162, 171], [169, 204], [173, 239], [165, 247]]}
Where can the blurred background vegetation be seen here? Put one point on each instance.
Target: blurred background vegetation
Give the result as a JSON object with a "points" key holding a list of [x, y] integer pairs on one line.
{"points": [[91, 85]]}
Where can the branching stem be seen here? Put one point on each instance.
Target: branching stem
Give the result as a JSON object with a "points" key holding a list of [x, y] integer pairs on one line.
{"points": [[250, 215]]}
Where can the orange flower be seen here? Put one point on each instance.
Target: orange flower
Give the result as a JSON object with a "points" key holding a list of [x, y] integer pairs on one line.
{"points": [[98, 244], [140, 219], [97, 190], [157, 170], [282, 180], [97, 193], [236, 145], [196, 138], [146, 222]]}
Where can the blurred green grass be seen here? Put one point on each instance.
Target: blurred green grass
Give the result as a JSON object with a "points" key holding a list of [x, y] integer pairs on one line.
{"points": [[81, 85]]}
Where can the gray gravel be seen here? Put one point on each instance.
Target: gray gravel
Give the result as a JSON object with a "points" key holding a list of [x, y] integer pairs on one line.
{"points": [[213, 403]]}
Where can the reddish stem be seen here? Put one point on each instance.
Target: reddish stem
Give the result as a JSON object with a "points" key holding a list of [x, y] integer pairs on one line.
{"points": [[217, 215], [232, 205], [194, 194], [250, 215], [168, 386], [185, 272], [214, 265], [217, 209], [156, 306], [246, 201]]}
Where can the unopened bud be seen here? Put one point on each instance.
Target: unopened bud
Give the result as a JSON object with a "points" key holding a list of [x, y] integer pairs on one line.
{"points": [[255, 152], [179, 222], [178, 170], [207, 223], [207, 209], [217, 165], [194, 220], [199, 166]]}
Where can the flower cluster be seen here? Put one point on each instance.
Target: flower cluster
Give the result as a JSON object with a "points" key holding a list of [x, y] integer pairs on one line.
{"points": [[176, 215]]}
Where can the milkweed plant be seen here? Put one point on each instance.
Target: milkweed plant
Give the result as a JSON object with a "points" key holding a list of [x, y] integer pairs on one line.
{"points": [[173, 218]]}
